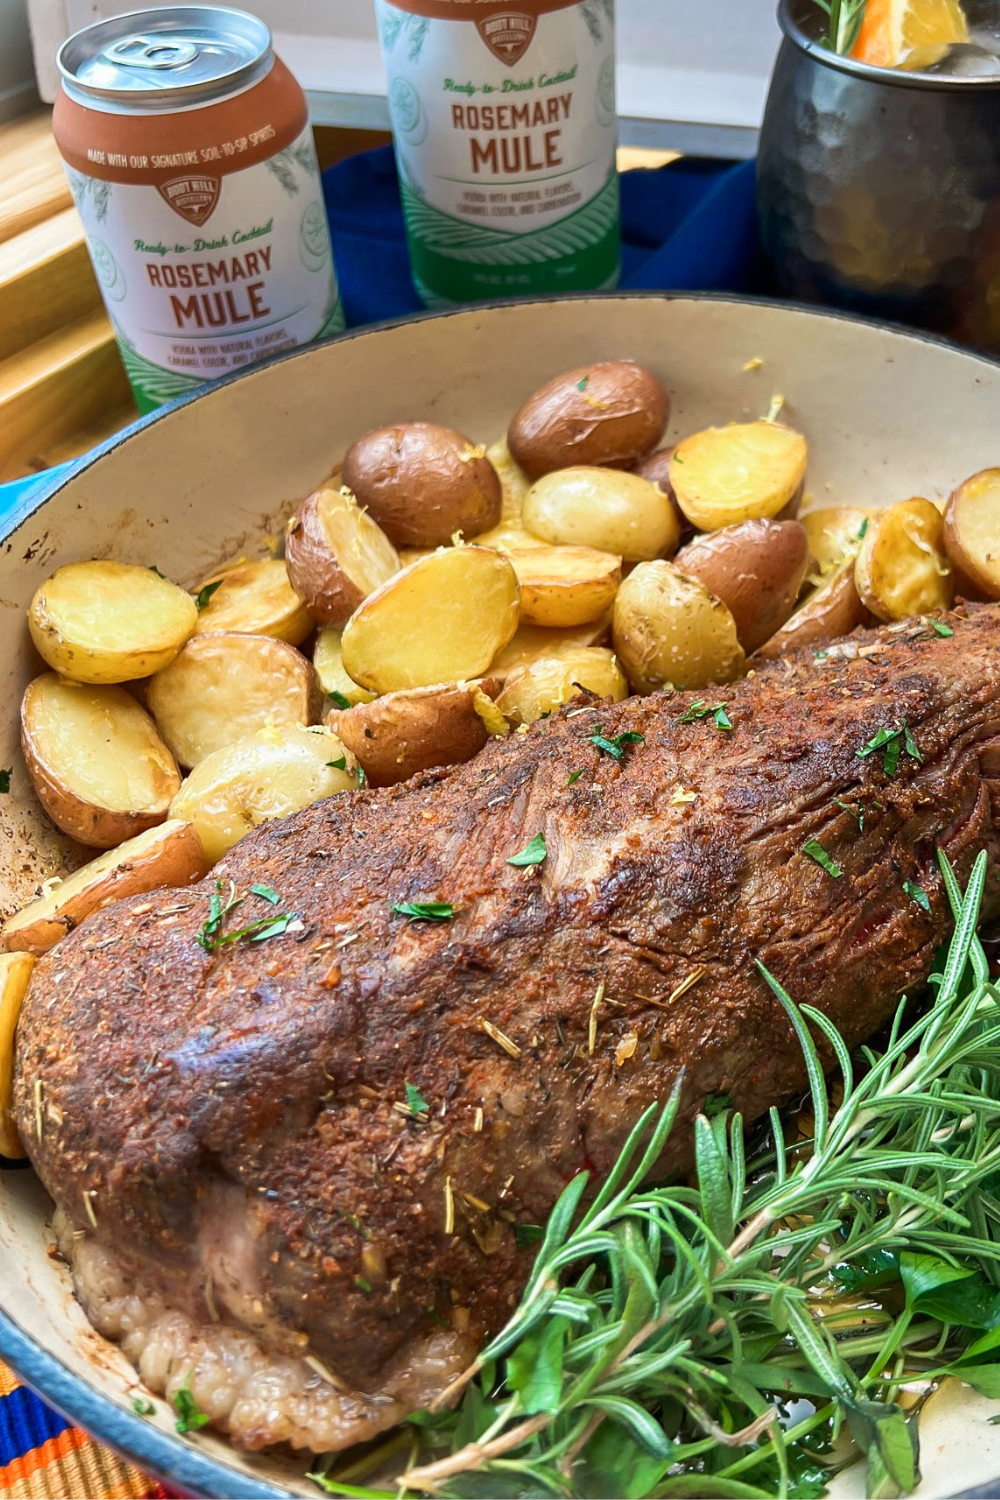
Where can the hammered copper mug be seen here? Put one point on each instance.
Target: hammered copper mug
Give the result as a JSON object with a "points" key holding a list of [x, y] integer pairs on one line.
{"points": [[879, 189]]}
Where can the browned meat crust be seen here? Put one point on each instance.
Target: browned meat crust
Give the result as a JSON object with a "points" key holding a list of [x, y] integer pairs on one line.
{"points": [[241, 1116]]}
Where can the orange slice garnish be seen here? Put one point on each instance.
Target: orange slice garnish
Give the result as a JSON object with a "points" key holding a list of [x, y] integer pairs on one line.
{"points": [[909, 33]]}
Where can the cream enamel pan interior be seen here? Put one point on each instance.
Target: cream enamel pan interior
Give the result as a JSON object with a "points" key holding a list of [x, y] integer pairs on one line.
{"points": [[887, 415]]}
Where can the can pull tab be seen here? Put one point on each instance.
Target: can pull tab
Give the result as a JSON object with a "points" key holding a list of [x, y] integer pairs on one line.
{"points": [[151, 52]]}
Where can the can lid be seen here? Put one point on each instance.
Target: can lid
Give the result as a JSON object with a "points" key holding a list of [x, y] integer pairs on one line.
{"points": [[165, 59]]}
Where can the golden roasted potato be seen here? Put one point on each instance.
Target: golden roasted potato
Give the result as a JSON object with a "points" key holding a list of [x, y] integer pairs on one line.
{"points": [[656, 468], [606, 509], [565, 586], [670, 631], [329, 664], [403, 733], [254, 598], [267, 775], [507, 537], [834, 610], [836, 533], [108, 622], [336, 554], [97, 763], [421, 483], [972, 533], [223, 687], [756, 569], [514, 482], [749, 471], [531, 643], [541, 686], [15, 974], [612, 412], [169, 855], [442, 619], [902, 568]]}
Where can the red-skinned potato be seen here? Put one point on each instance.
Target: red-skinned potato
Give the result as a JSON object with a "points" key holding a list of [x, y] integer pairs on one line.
{"points": [[610, 413], [421, 483], [972, 535], [656, 468], [834, 610], [336, 555], [756, 568], [403, 733]]}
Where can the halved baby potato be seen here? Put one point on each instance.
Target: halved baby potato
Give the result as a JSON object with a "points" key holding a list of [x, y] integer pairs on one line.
{"points": [[403, 733], [531, 643], [542, 686], [336, 554], [607, 509], [514, 482], [902, 568], [565, 586], [669, 630], [833, 610], [267, 775], [756, 569], [329, 664], [223, 687], [108, 622], [15, 973], [169, 855], [509, 536], [972, 532], [443, 619], [748, 471], [836, 533], [254, 598], [98, 765]]}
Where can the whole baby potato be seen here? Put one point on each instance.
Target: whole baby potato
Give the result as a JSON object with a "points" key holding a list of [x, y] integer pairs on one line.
{"points": [[613, 412], [756, 568], [656, 468], [669, 630], [401, 734], [606, 509], [421, 483]]}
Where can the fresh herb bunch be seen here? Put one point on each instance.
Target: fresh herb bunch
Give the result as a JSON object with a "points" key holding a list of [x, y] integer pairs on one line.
{"points": [[846, 17], [665, 1331]]}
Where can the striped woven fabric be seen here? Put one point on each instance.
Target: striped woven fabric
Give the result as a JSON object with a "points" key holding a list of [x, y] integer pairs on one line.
{"points": [[43, 1458]]}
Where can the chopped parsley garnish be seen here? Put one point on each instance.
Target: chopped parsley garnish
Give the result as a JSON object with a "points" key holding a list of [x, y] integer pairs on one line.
{"points": [[574, 776], [528, 1234], [918, 894], [189, 1418], [338, 700], [858, 814], [204, 598], [677, 459], [5, 780], [267, 893], [940, 627], [581, 385], [362, 1283], [533, 854], [338, 765], [217, 914], [892, 742], [425, 911], [722, 719], [211, 937], [617, 747], [703, 710], [716, 1103], [415, 1099], [863, 529], [140, 1407], [154, 569], [815, 851]]}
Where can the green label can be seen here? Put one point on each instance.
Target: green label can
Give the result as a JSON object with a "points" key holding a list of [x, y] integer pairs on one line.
{"points": [[504, 123]]}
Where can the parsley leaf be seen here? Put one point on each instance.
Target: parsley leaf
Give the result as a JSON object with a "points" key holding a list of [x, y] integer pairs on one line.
{"points": [[911, 746], [581, 385], [533, 854], [702, 710], [425, 911], [415, 1099], [676, 459], [217, 914], [575, 776], [211, 936], [140, 1407], [189, 1418], [204, 599], [857, 814], [892, 743], [267, 892], [338, 700], [722, 719], [815, 851], [616, 747], [918, 894], [863, 529], [528, 1234], [154, 569], [338, 765], [715, 1104], [362, 1283], [940, 627], [5, 780]]}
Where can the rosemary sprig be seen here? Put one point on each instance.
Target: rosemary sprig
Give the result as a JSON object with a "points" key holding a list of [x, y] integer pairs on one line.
{"points": [[846, 17], [661, 1325]]}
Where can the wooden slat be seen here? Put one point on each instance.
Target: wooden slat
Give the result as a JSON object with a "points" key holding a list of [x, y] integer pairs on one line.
{"points": [[33, 184], [62, 384], [46, 282], [82, 439]]}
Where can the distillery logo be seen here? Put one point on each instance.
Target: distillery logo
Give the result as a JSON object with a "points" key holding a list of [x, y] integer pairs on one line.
{"points": [[192, 197], [508, 36]]}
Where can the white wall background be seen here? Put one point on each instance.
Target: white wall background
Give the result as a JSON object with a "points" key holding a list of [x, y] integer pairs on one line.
{"points": [[692, 73]]}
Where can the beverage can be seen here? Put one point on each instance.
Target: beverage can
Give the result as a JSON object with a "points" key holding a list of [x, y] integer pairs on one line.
{"points": [[190, 158], [504, 123]]}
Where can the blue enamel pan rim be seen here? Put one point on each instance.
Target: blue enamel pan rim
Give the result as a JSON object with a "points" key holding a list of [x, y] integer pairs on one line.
{"points": [[167, 1457]]}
